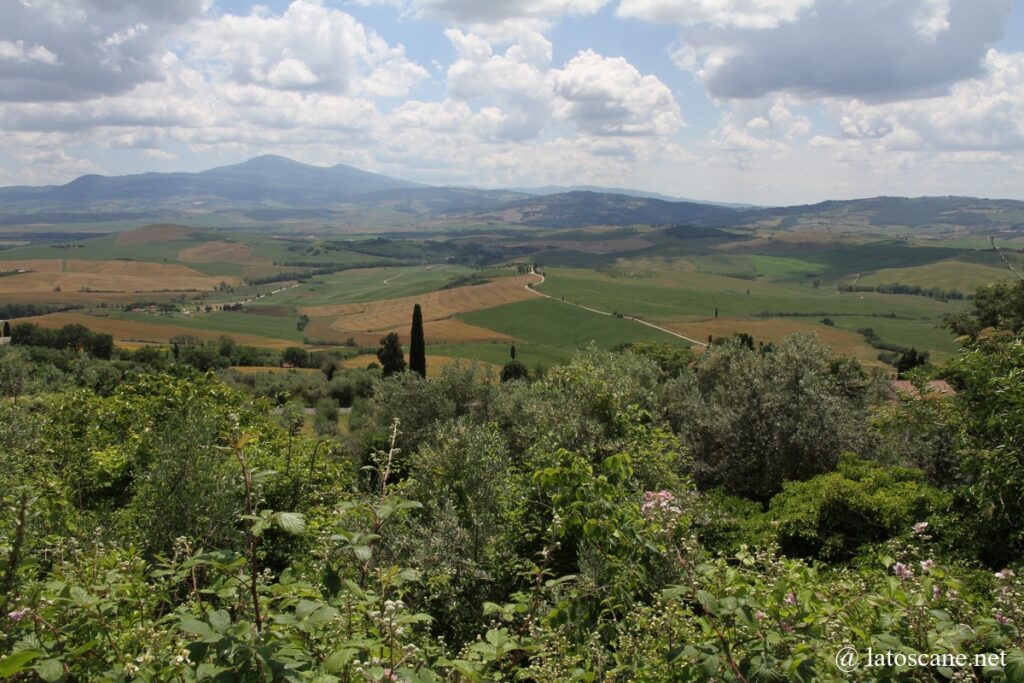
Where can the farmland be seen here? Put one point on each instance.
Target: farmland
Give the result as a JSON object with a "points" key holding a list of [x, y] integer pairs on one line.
{"points": [[271, 290]]}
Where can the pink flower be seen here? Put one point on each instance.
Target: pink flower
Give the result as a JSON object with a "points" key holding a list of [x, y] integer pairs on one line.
{"points": [[920, 528], [927, 565], [790, 598], [1002, 619], [390, 675], [659, 501], [760, 616], [18, 614], [902, 571], [1005, 574], [936, 592]]}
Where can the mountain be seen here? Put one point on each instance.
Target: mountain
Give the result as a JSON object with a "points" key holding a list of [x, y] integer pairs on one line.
{"points": [[260, 181], [579, 209], [562, 189], [273, 189]]}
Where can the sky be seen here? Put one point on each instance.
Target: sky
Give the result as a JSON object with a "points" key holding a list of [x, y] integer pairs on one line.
{"points": [[759, 101]]}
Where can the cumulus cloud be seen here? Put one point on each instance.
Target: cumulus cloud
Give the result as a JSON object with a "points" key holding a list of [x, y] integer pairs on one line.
{"points": [[596, 94], [470, 12], [874, 50], [608, 96], [754, 14], [308, 47], [77, 49], [984, 114]]}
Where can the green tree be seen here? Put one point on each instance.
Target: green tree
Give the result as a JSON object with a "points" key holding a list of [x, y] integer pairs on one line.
{"points": [[754, 420], [1000, 306], [7, 328], [417, 344], [514, 370], [390, 354], [325, 419], [909, 360], [295, 356]]}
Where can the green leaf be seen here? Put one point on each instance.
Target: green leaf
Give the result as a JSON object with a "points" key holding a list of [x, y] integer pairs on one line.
{"points": [[1015, 666], [220, 620], [50, 670], [195, 627], [708, 601], [17, 662], [291, 522]]}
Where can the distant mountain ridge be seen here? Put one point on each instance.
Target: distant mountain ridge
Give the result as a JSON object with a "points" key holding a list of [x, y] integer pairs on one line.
{"points": [[269, 189], [544, 190]]}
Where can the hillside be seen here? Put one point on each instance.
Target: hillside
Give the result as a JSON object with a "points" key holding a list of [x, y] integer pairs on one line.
{"points": [[270, 189]]}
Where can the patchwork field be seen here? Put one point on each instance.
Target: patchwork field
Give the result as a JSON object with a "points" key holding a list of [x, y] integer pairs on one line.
{"points": [[220, 251], [136, 332], [76, 280], [438, 305], [765, 280]]}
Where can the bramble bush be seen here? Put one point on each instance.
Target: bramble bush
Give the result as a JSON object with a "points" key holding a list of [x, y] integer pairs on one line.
{"points": [[568, 528]]}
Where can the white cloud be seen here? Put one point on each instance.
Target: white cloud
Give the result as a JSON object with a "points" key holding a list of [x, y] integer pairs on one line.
{"points": [[308, 47], [608, 96], [756, 14], [596, 94], [18, 52], [875, 50], [52, 50], [479, 14], [984, 114]]}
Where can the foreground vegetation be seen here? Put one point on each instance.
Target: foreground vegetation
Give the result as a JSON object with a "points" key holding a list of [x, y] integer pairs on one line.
{"points": [[631, 515]]}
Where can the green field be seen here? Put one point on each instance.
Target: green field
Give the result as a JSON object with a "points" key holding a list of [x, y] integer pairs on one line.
{"points": [[788, 276], [274, 327], [923, 334], [681, 295], [947, 275], [366, 285], [551, 332]]}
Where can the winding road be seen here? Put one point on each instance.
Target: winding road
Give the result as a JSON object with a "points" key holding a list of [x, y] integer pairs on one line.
{"points": [[532, 287]]}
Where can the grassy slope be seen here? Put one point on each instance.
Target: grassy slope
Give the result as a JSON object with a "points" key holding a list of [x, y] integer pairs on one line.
{"points": [[947, 275], [367, 285], [223, 321], [671, 296], [551, 332]]}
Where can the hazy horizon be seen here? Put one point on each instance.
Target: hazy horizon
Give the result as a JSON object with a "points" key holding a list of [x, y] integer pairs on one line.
{"points": [[767, 102]]}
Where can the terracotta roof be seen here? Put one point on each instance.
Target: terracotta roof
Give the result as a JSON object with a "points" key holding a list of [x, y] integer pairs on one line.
{"points": [[902, 388]]}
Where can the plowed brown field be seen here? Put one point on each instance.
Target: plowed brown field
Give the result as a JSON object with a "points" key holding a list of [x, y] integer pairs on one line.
{"points": [[391, 314]]}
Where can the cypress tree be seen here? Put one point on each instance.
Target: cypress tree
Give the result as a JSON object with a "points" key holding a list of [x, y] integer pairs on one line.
{"points": [[513, 352], [417, 344]]}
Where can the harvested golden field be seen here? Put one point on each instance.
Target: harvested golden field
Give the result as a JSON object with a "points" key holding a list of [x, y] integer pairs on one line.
{"points": [[49, 265], [842, 342], [133, 332], [434, 363], [62, 281], [397, 313], [435, 331], [221, 251], [153, 233], [255, 369]]}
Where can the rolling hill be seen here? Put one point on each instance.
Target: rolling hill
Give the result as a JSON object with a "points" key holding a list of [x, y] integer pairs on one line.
{"points": [[271, 189]]}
